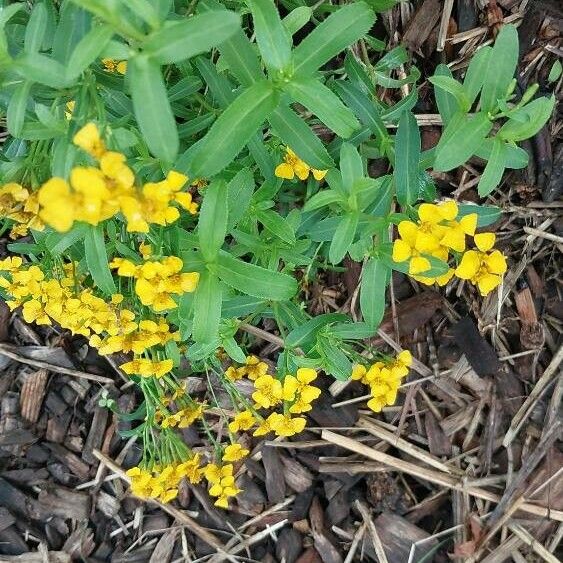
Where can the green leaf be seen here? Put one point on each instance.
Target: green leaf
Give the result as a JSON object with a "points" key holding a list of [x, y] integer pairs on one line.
{"points": [[317, 98], [486, 214], [271, 36], [152, 108], [448, 106], [336, 361], [243, 62], [475, 75], [407, 155], [97, 260], [351, 166], [351, 331], [212, 225], [305, 334], [528, 120], [343, 237], [233, 350], [555, 71], [516, 157], [295, 133], [461, 138], [453, 87], [500, 68], [145, 10], [36, 28], [492, 174], [277, 225], [375, 278], [40, 68], [323, 198], [254, 280], [296, 19], [57, 243], [233, 129], [239, 194], [16, 108], [88, 50], [189, 37], [207, 308], [342, 28]]}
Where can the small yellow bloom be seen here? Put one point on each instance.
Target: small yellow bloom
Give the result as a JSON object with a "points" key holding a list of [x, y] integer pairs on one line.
{"points": [[242, 421], [285, 425], [268, 391], [234, 452], [88, 139], [293, 166]]}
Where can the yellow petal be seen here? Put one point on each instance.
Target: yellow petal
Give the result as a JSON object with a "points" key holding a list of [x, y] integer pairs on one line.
{"points": [[302, 170], [485, 241], [284, 170], [429, 213], [401, 251], [319, 174], [408, 232], [448, 210], [468, 266], [454, 239], [469, 223], [496, 262], [418, 265], [121, 67], [487, 283], [445, 278]]}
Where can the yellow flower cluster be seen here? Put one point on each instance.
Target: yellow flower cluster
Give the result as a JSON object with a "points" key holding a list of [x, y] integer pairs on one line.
{"points": [[437, 233], [161, 482], [94, 194], [222, 483], [293, 166], [384, 379], [156, 281], [294, 393], [21, 206], [182, 418], [112, 65], [148, 368]]}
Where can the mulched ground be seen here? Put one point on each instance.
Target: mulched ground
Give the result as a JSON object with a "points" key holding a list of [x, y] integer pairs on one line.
{"points": [[467, 466]]}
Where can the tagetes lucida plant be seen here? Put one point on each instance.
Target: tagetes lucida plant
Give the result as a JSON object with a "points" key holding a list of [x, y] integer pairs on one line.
{"points": [[163, 196]]}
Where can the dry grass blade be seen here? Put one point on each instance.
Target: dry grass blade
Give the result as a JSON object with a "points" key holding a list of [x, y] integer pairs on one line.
{"points": [[431, 475], [378, 546]]}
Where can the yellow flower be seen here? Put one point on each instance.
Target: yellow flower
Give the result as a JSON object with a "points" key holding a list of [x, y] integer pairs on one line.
{"points": [[234, 374], [191, 469], [285, 425], [111, 65], [222, 483], [88, 139], [293, 166], [57, 205], [234, 452], [11, 264], [268, 391], [242, 421], [255, 368], [147, 368], [266, 426], [481, 267]]}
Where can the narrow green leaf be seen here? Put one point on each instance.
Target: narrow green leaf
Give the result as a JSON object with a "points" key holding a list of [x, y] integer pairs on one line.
{"points": [[516, 157], [42, 69], [243, 62], [189, 37], [342, 28], [317, 98], [254, 280], [295, 133], [453, 87], [500, 67], [97, 260], [475, 75], [306, 333], [407, 156], [351, 166], [239, 195], [352, 331], [297, 18], [321, 199], [375, 278], [233, 129], [207, 308], [57, 243], [461, 138], [492, 174], [152, 108], [272, 38], [145, 10], [212, 224], [336, 361], [486, 214], [528, 120], [277, 225], [343, 237], [88, 50], [448, 106], [17, 107], [36, 28], [555, 71]]}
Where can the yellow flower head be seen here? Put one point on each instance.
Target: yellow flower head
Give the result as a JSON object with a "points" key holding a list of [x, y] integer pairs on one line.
{"points": [[242, 421], [286, 425], [234, 452], [268, 391], [293, 166], [88, 139]]}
